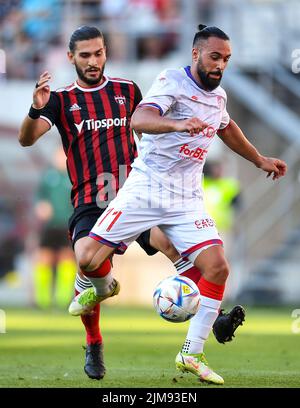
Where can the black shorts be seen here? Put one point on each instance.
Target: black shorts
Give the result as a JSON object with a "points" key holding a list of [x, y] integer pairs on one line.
{"points": [[84, 218], [54, 238]]}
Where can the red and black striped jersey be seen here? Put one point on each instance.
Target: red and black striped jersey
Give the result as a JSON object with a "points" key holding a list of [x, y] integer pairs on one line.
{"points": [[94, 124]]}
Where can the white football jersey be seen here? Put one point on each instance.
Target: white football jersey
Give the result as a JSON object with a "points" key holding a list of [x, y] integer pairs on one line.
{"points": [[176, 159]]}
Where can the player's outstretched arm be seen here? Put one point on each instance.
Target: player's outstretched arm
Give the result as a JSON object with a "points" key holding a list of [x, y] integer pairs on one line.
{"points": [[31, 129], [148, 120], [235, 139]]}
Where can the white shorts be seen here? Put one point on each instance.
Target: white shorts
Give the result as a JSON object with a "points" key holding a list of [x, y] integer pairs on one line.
{"points": [[138, 208]]}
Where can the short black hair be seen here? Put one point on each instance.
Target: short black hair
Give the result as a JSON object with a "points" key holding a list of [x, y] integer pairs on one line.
{"points": [[206, 32], [83, 33]]}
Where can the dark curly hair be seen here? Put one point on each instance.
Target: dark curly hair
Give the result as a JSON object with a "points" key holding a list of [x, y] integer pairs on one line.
{"points": [[206, 32], [83, 33]]}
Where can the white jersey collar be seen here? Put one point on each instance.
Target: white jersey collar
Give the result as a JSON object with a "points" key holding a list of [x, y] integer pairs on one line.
{"points": [[187, 70], [90, 89]]}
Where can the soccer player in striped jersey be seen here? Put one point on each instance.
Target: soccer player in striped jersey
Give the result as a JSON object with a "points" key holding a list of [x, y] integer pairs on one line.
{"points": [[93, 118]]}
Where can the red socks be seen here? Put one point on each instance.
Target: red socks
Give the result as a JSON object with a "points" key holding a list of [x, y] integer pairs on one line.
{"points": [[211, 290], [91, 321], [193, 273], [208, 289], [91, 324], [100, 272]]}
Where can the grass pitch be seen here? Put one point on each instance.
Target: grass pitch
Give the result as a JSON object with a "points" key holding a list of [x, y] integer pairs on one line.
{"points": [[44, 349]]}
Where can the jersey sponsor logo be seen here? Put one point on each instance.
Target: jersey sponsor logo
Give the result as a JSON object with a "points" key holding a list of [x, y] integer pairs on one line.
{"points": [[79, 126], [197, 153], [95, 124], [120, 99], [74, 107], [204, 223], [209, 132]]}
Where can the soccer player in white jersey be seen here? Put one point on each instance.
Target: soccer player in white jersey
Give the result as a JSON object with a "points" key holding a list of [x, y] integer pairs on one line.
{"points": [[179, 117]]}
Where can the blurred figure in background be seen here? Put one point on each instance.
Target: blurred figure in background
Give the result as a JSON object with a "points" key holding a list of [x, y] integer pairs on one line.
{"points": [[26, 28], [42, 19], [55, 268], [222, 198], [10, 241]]}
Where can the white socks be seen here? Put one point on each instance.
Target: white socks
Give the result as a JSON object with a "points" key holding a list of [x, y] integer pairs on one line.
{"points": [[103, 285], [82, 283], [182, 265], [201, 325]]}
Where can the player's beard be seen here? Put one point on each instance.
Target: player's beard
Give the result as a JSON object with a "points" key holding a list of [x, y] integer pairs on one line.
{"points": [[207, 81], [86, 80]]}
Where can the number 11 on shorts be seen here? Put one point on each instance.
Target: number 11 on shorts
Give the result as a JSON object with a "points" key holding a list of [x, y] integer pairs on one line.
{"points": [[111, 213]]}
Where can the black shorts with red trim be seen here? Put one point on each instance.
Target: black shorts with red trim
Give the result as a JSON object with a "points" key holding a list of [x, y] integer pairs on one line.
{"points": [[84, 218]]}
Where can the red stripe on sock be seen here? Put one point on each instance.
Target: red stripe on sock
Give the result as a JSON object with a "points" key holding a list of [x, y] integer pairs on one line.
{"points": [[211, 290], [91, 325], [100, 272], [192, 273]]}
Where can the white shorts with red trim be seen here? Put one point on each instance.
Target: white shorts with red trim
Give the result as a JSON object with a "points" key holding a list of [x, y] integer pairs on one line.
{"points": [[138, 208]]}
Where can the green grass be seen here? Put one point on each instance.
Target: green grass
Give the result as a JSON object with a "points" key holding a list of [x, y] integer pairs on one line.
{"points": [[43, 349]]}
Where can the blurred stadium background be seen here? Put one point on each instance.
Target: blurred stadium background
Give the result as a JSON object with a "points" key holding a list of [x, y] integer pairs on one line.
{"points": [[144, 37]]}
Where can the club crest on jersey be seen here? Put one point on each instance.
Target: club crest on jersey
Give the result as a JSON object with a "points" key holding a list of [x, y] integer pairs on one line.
{"points": [[219, 101], [120, 99]]}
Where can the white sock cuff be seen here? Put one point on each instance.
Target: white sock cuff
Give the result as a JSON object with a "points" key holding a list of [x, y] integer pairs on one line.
{"points": [[82, 283], [209, 302], [195, 340], [192, 346], [183, 265], [103, 285]]}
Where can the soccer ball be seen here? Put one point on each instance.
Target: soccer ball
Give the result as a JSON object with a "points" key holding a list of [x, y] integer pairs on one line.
{"points": [[176, 298]]}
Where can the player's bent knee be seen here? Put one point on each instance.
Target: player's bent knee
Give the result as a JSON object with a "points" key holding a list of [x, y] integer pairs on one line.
{"points": [[86, 263], [219, 271], [87, 259], [93, 259], [89, 254]]}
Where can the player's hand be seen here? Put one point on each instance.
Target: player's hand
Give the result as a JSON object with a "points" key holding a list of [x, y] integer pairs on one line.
{"points": [[273, 166], [192, 125], [41, 94]]}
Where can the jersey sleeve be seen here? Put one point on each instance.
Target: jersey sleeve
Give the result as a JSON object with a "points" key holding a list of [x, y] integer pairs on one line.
{"points": [[137, 96], [162, 93], [50, 112], [225, 119]]}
